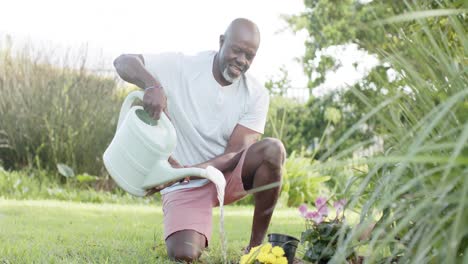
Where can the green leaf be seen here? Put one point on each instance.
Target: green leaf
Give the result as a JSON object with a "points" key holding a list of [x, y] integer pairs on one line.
{"points": [[84, 178], [319, 179], [65, 171], [309, 235], [311, 255], [409, 16]]}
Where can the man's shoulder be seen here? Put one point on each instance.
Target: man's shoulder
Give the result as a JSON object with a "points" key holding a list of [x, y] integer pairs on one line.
{"points": [[184, 57], [254, 86], [162, 56], [199, 57], [196, 61]]}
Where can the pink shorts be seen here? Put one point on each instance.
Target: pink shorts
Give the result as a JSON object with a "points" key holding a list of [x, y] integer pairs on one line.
{"points": [[191, 209]]}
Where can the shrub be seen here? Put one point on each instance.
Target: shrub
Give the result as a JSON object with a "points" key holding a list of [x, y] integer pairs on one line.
{"points": [[35, 184], [301, 181], [418, 188], [51, 115]]}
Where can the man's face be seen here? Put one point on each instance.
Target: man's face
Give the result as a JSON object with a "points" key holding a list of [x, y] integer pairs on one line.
{"points": [[236, 55]]}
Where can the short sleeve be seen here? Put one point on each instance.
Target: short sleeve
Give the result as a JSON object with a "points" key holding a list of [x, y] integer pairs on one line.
{"points": [[165, 67], [255, 116]]}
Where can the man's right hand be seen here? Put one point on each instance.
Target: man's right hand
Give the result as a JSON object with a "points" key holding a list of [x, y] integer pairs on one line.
{"points": [[155, 101], [131, 68]]}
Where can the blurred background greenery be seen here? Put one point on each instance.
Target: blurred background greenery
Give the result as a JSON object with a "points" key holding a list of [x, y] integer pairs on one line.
{"points": [[394, 144]]}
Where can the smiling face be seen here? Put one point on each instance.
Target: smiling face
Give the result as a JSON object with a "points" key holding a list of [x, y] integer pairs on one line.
{"points": [[238, 47]]}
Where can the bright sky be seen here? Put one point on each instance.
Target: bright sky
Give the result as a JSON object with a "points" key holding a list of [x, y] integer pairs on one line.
{"points": [[143, 26], [110, 28]]}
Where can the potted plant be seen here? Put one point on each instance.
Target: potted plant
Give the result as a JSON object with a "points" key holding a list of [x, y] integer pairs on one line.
{"points": [[286, 242], [321, 235]]}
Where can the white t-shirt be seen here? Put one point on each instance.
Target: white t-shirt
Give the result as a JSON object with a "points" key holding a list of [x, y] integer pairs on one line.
{"points": [[203, 112]]}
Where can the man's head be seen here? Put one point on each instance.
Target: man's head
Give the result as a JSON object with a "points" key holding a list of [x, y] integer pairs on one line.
{"points": [[237, 49]]}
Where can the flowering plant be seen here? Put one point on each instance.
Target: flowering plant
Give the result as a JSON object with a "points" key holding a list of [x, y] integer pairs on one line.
{"points": [[321, 235], [265, 253]]}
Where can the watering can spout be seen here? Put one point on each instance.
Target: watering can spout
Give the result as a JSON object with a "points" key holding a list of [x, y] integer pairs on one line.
{"points": [[163, 173], [185, 172]]}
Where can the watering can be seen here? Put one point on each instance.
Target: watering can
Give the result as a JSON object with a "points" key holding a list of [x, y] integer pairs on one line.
{"points": [[137, 157]]}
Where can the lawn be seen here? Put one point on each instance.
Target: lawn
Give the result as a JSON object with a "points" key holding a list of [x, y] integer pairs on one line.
{"points": [[70, 232]]}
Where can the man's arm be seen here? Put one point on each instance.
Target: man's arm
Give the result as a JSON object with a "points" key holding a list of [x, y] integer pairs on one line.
{"points": [[131, 68], [240, 139]]}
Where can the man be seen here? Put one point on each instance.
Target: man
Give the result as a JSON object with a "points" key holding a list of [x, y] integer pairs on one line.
{"points": [[219, 114]]}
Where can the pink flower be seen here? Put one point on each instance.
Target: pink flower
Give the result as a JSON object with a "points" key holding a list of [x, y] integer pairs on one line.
{"points": [[321, 204], [314, 216], [323, 210], [320, 201], [339, 206], [303, 209]]}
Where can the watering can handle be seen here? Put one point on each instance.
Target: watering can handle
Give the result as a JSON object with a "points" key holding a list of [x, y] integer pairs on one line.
{"points": [[127, 104]]}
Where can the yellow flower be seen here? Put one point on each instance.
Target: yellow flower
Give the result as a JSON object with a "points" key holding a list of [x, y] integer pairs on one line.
{"points": [[266, 248], [262, 257], [270, 258], [277, 251], [282, 260]]}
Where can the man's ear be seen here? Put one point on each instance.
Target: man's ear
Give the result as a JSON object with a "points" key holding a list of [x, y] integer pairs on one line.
{"points": [[221, 41]]}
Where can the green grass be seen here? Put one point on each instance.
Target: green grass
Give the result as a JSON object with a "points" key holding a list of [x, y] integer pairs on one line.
{"points": [[69, 232]]}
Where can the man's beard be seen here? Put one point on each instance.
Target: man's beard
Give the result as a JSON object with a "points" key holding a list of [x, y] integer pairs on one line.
{"points": [[228, 78]]}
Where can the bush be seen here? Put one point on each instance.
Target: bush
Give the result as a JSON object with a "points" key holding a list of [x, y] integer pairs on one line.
{"points": [[418, 188], [302, 183], [37, 185], [51, 115], [282, 116]]}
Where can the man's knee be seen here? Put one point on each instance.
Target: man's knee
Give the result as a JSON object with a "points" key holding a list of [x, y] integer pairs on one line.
{"points": [[274, 152], [268, 153], [185, 245]]}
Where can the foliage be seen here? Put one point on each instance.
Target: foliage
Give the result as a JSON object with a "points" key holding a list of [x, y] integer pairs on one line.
{"points": [[280, 86], [333, 23], [301, 126], [321, 236], [301, 181], [35, 184], [281, 121], [417, 188], [51, 115]]}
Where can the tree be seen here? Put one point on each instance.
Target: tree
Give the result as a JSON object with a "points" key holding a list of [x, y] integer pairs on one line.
{"points": [[419, 185], [343, 22]]}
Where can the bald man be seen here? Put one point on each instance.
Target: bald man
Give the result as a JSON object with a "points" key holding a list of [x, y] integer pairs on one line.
{"points": [[219, 113]]}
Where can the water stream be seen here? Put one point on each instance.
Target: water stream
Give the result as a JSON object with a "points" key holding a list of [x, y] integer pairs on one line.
{"points": [[217, 178]]}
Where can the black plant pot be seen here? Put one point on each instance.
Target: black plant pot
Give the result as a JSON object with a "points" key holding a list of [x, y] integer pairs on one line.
{"points": [[288, 243]]}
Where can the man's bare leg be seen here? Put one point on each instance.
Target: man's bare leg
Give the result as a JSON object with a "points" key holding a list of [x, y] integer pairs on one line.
{"points": [[262, 166]]}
